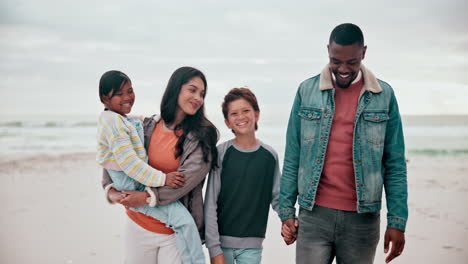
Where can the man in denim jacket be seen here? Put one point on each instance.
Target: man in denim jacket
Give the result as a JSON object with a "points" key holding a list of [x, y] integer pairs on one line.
{"points": [[344, 145]]}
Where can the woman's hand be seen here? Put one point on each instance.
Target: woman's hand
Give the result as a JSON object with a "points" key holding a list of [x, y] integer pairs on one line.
{"points": [[115, 196], [218, 259], [175, 179], [134, 198]]}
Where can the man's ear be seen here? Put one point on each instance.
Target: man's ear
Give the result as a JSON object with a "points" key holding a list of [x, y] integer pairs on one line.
{"points": [[364, 49]]}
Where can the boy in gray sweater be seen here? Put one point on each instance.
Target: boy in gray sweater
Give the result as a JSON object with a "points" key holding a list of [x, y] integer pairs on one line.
{"points": [[241, 189]]}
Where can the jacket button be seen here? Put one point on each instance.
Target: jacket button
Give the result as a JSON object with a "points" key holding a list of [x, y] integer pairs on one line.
{"points": [[309, 115], [376, 117], [318, 161], [357, 161]]}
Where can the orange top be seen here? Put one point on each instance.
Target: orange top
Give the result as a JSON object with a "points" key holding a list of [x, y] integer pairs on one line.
{"points": [[149, 223], [161, 150], [161, 156]]}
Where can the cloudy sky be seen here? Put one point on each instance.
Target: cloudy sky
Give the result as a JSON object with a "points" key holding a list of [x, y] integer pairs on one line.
{"points": [[52, 53]]}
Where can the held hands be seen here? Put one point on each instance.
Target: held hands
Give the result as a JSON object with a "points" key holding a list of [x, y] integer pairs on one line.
{"points": [[289, 230], [128, 198], [115, 196], [134, 198], [218, 259], [394, 236], [175, 179], [397, 238]]}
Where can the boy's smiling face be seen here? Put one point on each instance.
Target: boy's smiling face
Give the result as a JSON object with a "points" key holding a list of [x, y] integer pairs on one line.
{"points": [[241, 117]]}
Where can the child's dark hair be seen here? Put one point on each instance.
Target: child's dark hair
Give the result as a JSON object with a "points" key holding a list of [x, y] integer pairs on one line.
{"points": [[198, 125], [240, 93], [111, 82]]}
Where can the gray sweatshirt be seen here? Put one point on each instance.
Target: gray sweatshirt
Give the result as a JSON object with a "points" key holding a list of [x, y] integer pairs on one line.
{"points": [[215, 240]]}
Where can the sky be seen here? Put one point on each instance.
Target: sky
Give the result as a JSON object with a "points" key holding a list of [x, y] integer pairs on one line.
{"points": [[52, 53]]}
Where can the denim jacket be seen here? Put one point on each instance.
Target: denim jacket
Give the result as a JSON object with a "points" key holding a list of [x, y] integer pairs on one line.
{"points": [[378, 148]]}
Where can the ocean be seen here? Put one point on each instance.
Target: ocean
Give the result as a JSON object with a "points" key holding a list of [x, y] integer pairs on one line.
{"points": [[424, 135]]}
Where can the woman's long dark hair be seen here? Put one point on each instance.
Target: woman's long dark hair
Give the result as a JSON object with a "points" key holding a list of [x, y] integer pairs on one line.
{"points": [[200, 127]]}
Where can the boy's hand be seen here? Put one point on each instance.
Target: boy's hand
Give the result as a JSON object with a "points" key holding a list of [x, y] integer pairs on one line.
{"points": [[175, 179], [218, 259], [289, 230]]}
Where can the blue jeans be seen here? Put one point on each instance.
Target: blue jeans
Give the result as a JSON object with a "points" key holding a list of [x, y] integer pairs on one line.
{"points": [[242, 255], [326, 233]]}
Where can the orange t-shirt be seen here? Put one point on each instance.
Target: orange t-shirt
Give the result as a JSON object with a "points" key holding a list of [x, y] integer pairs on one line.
{"points": [[161, 156]]}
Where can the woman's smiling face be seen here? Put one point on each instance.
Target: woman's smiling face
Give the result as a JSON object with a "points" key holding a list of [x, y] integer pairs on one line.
{"points": [[191, 96]]}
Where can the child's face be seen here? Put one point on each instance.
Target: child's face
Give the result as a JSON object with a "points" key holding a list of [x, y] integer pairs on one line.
{"points": [[122, 101], [241, 117]]}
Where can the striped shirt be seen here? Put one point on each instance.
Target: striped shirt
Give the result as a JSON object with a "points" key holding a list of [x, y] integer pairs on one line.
{"points": [[120, 148]]}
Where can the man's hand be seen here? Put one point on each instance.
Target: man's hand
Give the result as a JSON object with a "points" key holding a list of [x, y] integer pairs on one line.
{"points": [[289, 230], [397, 238], [134, 198], [175, 179], [218, 259], [115, 196]]}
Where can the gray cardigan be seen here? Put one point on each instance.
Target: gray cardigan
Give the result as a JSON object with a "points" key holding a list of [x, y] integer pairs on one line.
{"points": [[194, 168]]}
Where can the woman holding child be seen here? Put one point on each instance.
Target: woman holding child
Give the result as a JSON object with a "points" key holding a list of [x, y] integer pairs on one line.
{"points": [[182, 144]]}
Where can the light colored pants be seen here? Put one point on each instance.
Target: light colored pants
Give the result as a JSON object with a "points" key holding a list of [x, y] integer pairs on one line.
{"points": [[325, 234], [174, 215], [242, 255], [145, 247]]}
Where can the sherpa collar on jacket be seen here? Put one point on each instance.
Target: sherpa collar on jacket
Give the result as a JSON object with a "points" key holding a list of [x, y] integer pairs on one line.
{"points": [[370, 82]]}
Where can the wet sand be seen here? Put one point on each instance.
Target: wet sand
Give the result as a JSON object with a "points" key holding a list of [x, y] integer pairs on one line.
{"points": [[54, 212]]}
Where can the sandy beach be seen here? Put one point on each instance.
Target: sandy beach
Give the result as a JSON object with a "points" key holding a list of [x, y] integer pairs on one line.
{"points": [[54, 212]]}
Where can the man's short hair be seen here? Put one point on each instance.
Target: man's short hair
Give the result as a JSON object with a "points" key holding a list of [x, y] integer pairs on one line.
{"points": [[347, 34]]}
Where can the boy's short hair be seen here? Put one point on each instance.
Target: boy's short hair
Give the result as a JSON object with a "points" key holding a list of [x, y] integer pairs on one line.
{"points": [[240, 93]]}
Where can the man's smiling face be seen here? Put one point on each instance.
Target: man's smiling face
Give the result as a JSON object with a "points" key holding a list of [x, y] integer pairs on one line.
{"points": [[345, 62]]}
